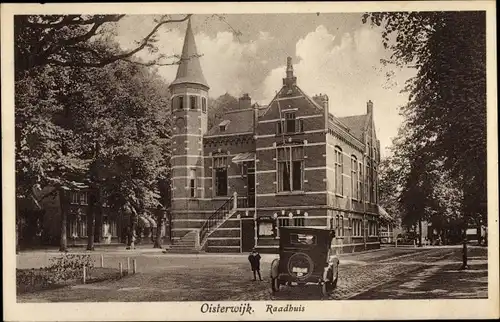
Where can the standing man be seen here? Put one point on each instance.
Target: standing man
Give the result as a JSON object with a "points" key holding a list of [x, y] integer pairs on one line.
{"points": [[254, 259]]}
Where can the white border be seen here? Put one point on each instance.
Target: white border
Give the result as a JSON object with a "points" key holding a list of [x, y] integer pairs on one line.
{"points": [[352, 310]]}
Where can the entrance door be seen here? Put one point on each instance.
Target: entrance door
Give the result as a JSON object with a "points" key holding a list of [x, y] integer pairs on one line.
{"points": [[247, 234], [251, 187]]}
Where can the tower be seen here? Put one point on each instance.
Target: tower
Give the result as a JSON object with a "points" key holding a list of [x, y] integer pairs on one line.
{"points": [[189, 93]]}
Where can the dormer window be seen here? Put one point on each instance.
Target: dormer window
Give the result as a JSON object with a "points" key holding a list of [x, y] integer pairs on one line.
{"points": [[223, 126]]}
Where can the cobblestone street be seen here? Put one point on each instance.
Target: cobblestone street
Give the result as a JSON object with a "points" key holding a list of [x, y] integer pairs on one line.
{"points": [[389, 273]]}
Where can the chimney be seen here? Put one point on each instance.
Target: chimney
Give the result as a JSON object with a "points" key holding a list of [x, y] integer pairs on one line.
{"points": [[322, 100], [255, 116], [369, 107], [245, 102]]}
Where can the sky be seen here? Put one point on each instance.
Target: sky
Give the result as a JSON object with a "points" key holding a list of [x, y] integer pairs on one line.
{"points": [[334, 54]]}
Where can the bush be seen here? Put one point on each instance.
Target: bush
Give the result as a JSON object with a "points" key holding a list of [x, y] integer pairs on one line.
{"points": [[32, 279], [68, 267]]}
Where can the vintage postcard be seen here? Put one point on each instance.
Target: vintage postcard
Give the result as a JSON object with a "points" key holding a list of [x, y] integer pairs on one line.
{"points": [[250, 161]]}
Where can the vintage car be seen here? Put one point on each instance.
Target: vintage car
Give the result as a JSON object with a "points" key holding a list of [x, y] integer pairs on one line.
{"points": [[305, 257]]}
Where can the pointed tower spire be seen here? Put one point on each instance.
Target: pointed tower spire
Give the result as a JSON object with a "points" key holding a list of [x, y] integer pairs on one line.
{"points": [[189, 70], [289, 80]]}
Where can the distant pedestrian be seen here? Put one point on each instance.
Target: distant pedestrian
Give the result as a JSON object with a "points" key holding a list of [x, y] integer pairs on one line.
{"points": [[254, 259]]}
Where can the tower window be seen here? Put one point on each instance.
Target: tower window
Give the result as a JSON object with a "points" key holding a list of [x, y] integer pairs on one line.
{"points": [[203, 104], [192, 184], [194, 102], [181, 102]]}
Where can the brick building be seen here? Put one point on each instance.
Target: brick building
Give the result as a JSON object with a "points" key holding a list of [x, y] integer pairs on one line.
{"points": [[291, 162]]}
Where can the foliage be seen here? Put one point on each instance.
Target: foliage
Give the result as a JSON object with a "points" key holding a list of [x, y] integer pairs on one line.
{"points": [[78, 40], [443, 148], [219, 107], [108, 127], [68, 267]]}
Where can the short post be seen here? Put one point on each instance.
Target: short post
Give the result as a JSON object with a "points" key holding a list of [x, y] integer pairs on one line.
{"points": [[235, 200], [134, 265], [84, 274], [128, 264], [121, 268], [102, 260]]}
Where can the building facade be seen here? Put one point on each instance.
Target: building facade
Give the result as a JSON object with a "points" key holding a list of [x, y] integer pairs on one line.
{"points": [[290, 163]]}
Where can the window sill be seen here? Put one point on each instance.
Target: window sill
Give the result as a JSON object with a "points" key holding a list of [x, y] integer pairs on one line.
{"points": [[290, 193], [339, 195]]}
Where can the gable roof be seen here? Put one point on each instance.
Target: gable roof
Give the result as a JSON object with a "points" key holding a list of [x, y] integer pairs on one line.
{"points": [[238, 121], [189, 70], [356, 124]]}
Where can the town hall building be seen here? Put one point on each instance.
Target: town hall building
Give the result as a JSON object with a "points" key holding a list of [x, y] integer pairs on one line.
{"points": [[290, 163]]}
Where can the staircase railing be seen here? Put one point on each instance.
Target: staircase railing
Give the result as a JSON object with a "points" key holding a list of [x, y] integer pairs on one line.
{"points": [[217, 216]]}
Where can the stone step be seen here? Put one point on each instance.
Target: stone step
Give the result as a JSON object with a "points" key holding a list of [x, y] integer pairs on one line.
{"points": [[182, 251]]}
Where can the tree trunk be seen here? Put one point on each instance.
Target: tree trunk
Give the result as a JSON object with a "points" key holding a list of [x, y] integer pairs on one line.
{"points": [[464, 248], [17, 231], [159, 222], [63, 246], [98, 216], [91, 221], [420, 233]]}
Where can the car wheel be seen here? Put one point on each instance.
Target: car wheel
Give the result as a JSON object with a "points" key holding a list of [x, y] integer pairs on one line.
{"points": [[327, 289], [334, 283], [275, 285]]}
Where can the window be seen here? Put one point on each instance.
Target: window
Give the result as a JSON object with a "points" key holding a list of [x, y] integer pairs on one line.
{"points": [[290, 168], [290, 124], [192, 184], [193, 100], [354, 177], [342, 226], [84, 198], [339, 170], [337, 226], [203, 104], [82, 226], [181, 102], [360, 182], [302, 239], [368, 183], [220, 170], [223, 125], [375, 185], [75, 198]]}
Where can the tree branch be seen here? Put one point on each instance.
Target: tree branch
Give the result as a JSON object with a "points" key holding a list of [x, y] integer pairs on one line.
{"points": [[108, 60]]}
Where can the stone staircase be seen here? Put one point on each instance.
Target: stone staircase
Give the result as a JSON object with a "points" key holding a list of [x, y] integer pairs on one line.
{"points": [[188, 244], [195, 241]]}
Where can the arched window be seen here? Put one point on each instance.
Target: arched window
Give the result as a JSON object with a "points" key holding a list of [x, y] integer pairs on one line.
{"points": [[339, 170]]}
